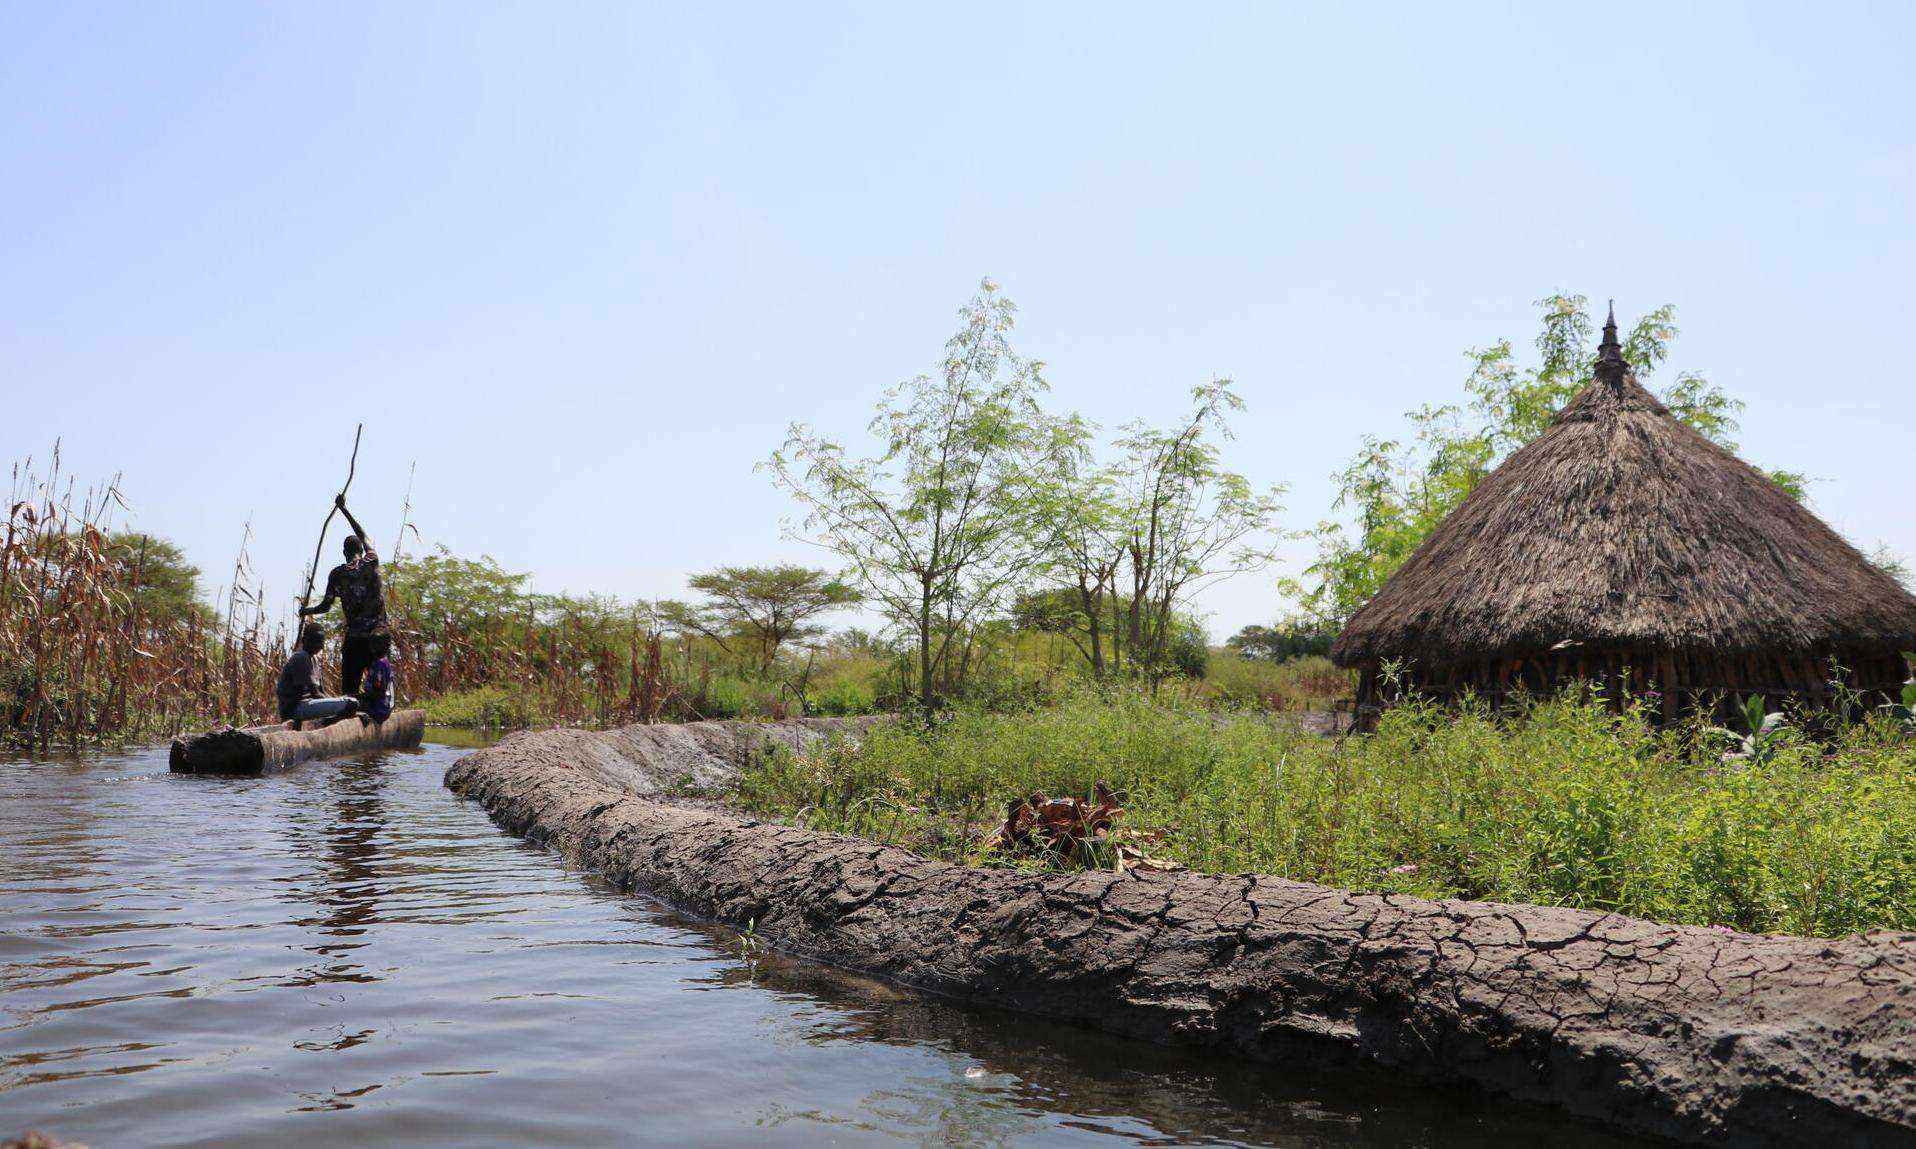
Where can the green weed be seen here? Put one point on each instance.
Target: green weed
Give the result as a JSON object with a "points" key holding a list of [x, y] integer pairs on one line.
{"points": [[1565, 803]]}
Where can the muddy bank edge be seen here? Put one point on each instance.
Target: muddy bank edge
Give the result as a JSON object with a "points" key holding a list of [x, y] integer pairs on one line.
{"points": [[1677, 1032]]}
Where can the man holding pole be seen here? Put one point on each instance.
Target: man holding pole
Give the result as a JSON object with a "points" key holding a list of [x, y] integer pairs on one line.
{"points": [[362, 599]]}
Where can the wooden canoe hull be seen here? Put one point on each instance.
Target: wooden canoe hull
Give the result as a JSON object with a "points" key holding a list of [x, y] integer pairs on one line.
{"points": [[258, 749]]}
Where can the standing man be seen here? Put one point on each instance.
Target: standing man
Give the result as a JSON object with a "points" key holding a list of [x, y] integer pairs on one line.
{"points": [[362, 598]]}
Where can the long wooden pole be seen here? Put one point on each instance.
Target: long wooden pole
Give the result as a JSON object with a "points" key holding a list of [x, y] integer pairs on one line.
{"points": [[405, 513], [312, 571]]}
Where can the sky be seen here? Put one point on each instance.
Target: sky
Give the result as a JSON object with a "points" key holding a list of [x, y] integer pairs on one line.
{"points": [[579, 266]]}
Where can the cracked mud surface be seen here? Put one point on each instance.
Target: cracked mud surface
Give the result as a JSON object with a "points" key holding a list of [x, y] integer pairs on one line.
{"points": [[1675, 1031]]}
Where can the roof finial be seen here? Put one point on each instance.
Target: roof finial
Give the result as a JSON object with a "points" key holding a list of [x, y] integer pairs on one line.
{"points": [[1610, 361]]}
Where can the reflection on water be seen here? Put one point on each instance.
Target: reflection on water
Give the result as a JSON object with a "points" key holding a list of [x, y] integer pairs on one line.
{"points": [[463, 737], [346, 954]]}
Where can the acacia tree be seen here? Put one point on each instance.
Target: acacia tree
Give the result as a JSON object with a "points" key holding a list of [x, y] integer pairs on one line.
{"points": [[1187, 521], [937, 525], [1130, 542], [1078, 509], [1401, 489], [767, 606], [1288, 639], [166, 587]]}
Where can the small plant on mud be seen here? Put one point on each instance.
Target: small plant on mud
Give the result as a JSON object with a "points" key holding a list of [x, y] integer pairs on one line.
{"points": [[751, 948], [1904, 712], [1768, 733], [687, 787]]}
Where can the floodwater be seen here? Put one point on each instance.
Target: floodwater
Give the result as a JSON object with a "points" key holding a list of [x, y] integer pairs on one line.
{"points": [[347, 954]]}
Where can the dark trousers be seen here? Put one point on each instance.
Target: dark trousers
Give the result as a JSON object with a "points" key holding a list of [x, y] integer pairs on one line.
{"points": [[356, 653]]}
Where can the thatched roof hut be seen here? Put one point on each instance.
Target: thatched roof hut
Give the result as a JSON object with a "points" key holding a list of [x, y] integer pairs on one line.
{"points": [[1623, 541]]}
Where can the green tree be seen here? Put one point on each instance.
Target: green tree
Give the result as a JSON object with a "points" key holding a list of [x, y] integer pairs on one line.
{"points": [[163, 585], [1123, 546], [1079, 509], [461, 620], [1293, 638], [937, 526], [1184, 521], [767, 606], [1399, 490]]}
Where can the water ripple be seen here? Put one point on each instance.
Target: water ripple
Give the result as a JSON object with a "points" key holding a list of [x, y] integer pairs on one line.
{"points": [[347, 954]]}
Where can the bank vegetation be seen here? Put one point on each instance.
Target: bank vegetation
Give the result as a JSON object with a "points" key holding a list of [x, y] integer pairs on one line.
{"points": [[1798, 830]]}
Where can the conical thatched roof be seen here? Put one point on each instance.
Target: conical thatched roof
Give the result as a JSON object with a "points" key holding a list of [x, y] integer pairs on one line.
{"points": [[1622, 527]]}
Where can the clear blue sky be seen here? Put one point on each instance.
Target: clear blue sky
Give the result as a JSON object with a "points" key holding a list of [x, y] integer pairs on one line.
{"points": [[583, 263]]}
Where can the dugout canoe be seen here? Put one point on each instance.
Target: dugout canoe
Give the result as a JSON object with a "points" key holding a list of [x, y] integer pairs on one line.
{"points": [[258, 749]]}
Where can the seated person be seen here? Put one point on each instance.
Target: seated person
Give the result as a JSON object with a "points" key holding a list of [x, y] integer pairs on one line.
{"points": [[376, 688], [300, 698]]}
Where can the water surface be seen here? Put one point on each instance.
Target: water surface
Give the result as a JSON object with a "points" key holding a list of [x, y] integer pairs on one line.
{"points": [[347, 954]]}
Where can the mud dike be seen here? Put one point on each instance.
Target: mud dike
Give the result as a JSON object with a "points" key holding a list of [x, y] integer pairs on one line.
{"points": [[1678, 1032]]}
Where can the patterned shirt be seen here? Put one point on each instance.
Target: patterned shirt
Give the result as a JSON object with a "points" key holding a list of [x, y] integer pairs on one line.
{"points": [[362, 597]]}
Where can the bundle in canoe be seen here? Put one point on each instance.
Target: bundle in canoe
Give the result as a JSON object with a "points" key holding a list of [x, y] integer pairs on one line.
{"points": [[258, 749]]}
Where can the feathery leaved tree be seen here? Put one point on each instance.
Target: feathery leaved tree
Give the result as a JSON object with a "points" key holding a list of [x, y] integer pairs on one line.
{"points": [[1131, 541], [936, 526], [1186, 521], [1078, 509]]}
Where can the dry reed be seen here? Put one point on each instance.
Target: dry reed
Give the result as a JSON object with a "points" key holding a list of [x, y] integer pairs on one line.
{"points": [[82, 657]]}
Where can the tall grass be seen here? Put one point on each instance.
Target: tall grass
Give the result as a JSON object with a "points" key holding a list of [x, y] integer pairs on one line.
{"points": [[105, 636], [1565, 804], [87, 652]]}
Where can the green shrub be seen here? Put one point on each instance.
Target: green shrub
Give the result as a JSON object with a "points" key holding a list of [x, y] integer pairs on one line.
{"points": [[487, 707], [729, 696], [1564, 804], [845, 697], [1309, 682]]}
